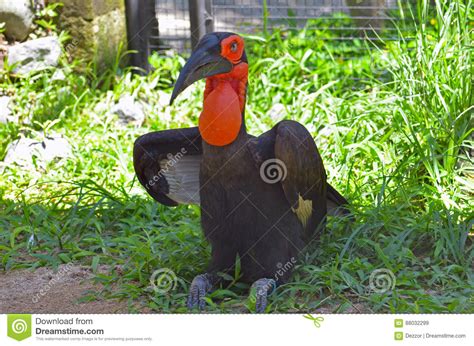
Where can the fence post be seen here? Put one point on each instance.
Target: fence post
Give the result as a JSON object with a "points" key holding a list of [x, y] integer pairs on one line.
{"points": [[141, 21], [369, 15], [201, 20]]}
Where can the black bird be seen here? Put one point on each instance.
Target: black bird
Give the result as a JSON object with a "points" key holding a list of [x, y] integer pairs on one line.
{"points": [[262, 198]]}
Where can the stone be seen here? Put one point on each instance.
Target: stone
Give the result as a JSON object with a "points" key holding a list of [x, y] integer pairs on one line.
{"points": [[5, 110], [277, 112], [101, 107], [97, 29], [18, 18], [58, 75], [22, 151], [35, 55], [163, 98], [129, 111]]}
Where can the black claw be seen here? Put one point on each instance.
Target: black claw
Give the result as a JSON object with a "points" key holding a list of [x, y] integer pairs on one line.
{"points": [[199, 287], [263, 288]]}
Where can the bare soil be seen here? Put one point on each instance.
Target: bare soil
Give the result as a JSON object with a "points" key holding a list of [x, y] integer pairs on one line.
{"points": [[47, 291], [44, 290]]}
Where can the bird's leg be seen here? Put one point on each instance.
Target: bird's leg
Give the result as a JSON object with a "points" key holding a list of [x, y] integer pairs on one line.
{"points": [[201, 285], [263, 288]]}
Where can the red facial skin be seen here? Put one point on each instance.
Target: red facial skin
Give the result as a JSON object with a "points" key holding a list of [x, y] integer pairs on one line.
{"points": [[224, 98]]}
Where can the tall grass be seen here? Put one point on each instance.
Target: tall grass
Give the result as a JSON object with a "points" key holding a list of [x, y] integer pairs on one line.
{"points": [[434, 103]]}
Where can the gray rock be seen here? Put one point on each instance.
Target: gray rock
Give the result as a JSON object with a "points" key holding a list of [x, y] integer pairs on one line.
{"points": [[5, 111], [277, 112], [18, 18], [129, 111], [35, 55], [58, 75], [163, 98], [23, 150], [101, 107]]}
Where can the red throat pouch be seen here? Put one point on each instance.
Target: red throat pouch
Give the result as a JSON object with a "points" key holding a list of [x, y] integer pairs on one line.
{"points": [[221, 117]]}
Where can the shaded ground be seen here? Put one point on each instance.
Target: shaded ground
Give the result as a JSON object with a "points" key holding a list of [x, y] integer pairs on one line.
{"points": [[46, 291]]}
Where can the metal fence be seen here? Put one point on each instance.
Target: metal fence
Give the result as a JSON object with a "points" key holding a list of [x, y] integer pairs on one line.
{"points": [[346, 19]]}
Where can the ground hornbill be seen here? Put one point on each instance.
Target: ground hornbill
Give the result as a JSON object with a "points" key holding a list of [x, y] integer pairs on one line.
{"points": [[262, 199]]}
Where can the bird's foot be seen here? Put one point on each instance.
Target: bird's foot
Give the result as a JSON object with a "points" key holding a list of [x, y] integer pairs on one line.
{"points": [[201, 285], [263, 288]]}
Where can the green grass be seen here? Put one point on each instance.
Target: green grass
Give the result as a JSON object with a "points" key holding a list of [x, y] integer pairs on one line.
{"points": [[395, 140]]}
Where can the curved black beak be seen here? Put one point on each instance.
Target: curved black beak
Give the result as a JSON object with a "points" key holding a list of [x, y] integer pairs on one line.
{"points": [[205, 61]]}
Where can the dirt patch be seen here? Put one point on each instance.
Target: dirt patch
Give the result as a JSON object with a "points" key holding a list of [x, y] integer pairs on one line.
{"points": [[47, 291]]}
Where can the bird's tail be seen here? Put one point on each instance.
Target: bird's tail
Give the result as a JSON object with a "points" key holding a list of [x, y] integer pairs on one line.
{"points": [[337, 205]]}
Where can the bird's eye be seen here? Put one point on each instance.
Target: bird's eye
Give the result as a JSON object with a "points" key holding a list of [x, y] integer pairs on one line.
{"points": [[233, 47]]}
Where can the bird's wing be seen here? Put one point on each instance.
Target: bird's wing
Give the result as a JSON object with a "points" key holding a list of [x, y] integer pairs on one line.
{"points": [[305, 182], [289, 150], [167, 165]]}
